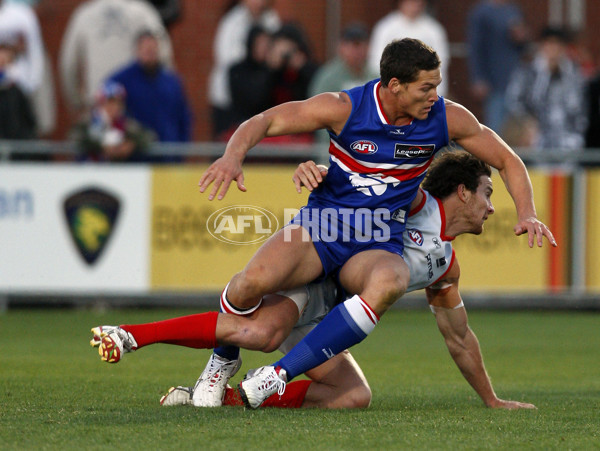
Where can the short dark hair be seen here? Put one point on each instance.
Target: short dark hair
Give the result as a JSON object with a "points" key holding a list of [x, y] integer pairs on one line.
{"points": [[453, 168], [405, 58]]}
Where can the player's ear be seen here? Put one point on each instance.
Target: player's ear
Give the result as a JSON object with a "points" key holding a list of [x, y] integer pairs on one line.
{"points": [[394, 85], [463, 193]]}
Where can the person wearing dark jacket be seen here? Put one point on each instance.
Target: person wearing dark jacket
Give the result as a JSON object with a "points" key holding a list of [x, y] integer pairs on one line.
{"points": [[155, 95], [17, 120]]}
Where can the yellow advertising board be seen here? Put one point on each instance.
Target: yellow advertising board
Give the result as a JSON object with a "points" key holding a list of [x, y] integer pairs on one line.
{"points": [[593, 225], [197, 244], [497, 260]]}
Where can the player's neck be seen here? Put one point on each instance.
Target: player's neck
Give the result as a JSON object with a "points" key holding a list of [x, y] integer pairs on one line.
{"points": [[393, 113], [455, 223]]}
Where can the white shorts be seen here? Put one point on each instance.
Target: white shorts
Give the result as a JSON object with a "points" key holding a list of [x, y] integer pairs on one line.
{"points": [[314, 302]]}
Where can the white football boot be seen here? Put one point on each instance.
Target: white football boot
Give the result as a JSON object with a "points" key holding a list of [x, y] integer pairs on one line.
{"points": [[177, 396], [209, 390], [106, 337], [261, 383]]}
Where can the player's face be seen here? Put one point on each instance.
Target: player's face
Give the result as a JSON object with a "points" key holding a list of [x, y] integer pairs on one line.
{"points": [[479, 206], [418, 97]]}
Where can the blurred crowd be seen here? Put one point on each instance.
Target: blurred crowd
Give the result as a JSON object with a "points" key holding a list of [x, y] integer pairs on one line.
{"points": [[536, 88]]}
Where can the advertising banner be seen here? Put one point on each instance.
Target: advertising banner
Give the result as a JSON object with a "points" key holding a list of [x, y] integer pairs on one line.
{"points": [[593, 237], [199, 244], [74, 228]]}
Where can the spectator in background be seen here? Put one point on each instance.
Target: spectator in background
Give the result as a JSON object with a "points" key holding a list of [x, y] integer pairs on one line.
{"points": [[592, 135], [250, 80], [100, 37], [290, 59], [31, 68], [347, 70], [169, 11], [155, 95], [550, 90], [20, 21], [17, 120], [229, 47], [496, 36], [410, 20], [108, 134]]}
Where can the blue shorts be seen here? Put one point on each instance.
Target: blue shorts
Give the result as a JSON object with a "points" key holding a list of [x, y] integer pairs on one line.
{"points": [[340, 233]]}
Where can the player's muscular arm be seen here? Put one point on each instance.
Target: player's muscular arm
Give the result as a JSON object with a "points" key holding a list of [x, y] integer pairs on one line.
{"points": [[327, 110], [482, 142], [462, 343]]}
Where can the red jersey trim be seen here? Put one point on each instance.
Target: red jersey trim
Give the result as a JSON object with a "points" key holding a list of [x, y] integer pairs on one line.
{"points": [[399, 174], [419, 207], [443, 216], [379, 105]]}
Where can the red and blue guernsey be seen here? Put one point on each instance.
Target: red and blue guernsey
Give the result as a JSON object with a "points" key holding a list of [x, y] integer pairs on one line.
{"points": [[375, 172], [374, 164]]}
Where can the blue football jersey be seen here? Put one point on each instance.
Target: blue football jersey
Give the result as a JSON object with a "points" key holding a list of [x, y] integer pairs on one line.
{"points": [[374, 164]]}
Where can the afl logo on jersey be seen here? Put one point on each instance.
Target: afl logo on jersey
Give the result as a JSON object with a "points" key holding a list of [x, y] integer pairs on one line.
{"points": [[416, 236], [364, 146]]}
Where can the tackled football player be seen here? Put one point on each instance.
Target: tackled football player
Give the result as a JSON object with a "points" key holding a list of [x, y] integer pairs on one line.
{"points": [[456, 201], [405, 123]]}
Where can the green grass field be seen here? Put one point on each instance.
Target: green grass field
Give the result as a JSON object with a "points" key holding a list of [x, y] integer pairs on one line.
{"points": [[55, 393]]}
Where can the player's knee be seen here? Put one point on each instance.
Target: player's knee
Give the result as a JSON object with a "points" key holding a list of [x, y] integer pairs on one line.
{"points": [[362, 398], [263, 337], [389, 286], [359, 398], [246, 287]]}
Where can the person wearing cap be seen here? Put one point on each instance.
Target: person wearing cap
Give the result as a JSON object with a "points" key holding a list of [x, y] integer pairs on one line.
{"points": [[108, 134], [348, 69], [17, 120]]}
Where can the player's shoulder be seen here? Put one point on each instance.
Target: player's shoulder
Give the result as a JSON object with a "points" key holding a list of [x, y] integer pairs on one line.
{"points": [[459, 119]]}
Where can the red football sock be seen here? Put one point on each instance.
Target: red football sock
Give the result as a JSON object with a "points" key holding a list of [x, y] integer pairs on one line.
{"points": [[292, 398], [194, 331], [232, 397]]}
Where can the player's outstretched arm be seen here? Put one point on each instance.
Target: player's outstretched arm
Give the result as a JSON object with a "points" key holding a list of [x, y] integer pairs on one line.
{"points": [[482, 142], [327, 110], [462, 343]]}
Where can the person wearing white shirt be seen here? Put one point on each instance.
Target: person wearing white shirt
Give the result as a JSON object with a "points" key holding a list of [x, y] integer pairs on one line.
{"points": [[19, 20], [100, 37], [410, 20]]}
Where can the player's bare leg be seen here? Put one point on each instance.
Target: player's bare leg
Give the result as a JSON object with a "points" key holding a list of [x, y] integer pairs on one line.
{"points": [[287, 260], [338, 383], [380, 278]]}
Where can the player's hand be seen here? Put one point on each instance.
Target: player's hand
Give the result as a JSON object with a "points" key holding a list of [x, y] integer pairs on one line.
{"points": [[221, 173], [309, 174], [510, 405], [536, 230]]}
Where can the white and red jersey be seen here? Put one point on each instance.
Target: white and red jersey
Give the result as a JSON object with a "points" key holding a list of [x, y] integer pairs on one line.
{"points": [[375, 164], [427, 250]]}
